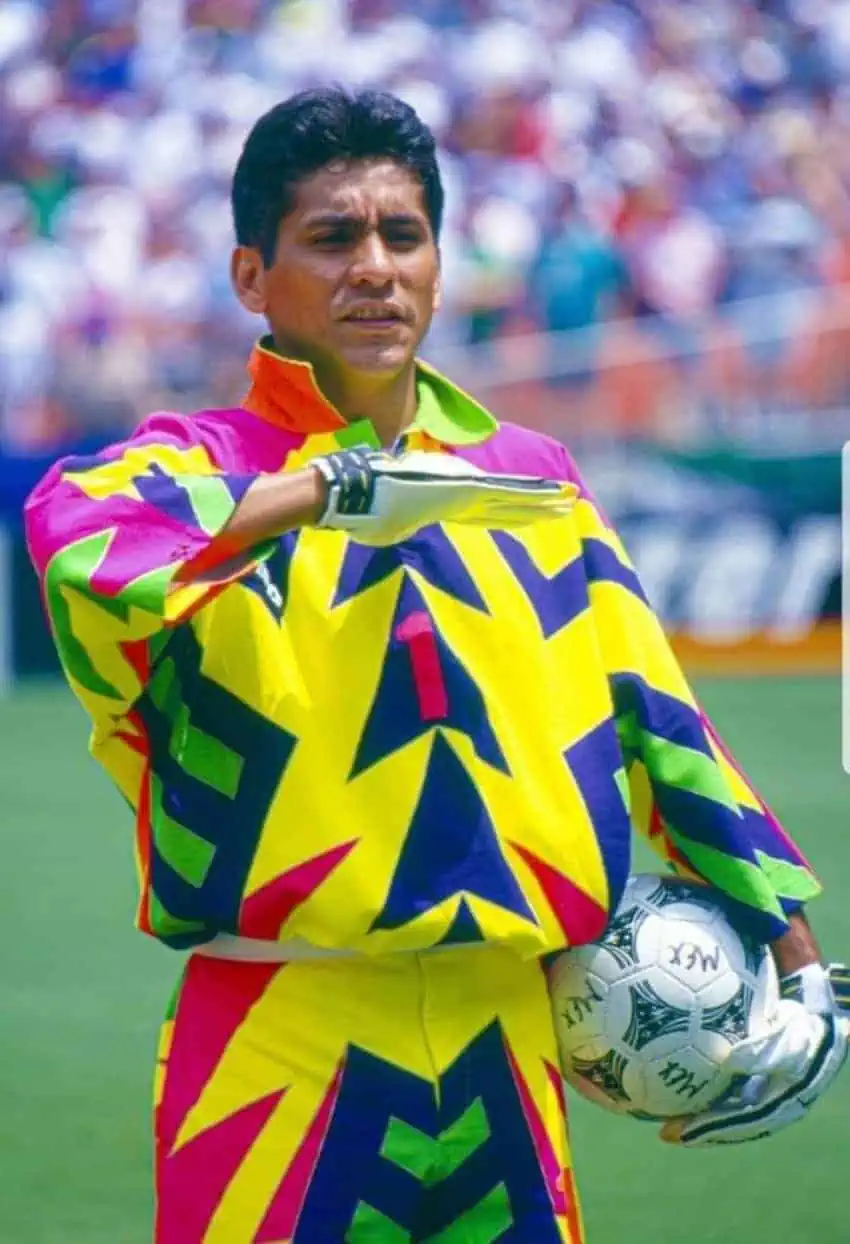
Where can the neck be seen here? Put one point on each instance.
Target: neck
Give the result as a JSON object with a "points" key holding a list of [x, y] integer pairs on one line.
{"points": [[388, 402]]}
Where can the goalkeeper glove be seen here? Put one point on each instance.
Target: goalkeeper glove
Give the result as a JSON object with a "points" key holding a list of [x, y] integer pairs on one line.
{"points": [[379, 499], [785, 1069]]}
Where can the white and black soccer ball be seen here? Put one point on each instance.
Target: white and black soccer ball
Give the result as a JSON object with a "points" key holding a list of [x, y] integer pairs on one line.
{"points": [[646, 1016]]}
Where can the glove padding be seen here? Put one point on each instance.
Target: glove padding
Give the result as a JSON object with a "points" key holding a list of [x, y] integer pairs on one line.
{"points": [[784, 1071], [380, 499]]}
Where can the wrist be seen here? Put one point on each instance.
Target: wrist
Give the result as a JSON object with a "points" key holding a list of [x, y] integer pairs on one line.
{"points": [[348, 484], [316, 495], [797, 948]]}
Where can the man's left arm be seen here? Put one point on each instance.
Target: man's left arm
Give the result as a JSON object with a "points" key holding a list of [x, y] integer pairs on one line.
{"points": [[797, 948], [700, 812]]}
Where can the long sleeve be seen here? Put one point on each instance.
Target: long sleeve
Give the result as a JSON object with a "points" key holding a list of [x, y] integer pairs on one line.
{"points": [[110, 537], [687, 794]]}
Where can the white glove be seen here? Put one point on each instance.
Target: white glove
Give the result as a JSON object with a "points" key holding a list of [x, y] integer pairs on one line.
{"points": [[784, 1071], [380, 499]]}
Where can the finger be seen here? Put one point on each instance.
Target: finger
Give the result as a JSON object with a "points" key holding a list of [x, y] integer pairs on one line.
{"points": [[508, 517], [753, 1089], [754, 1055], [512, 486], [839, 978], [520, 514], [671, 1132], [530, 484], [526, 509], [783, 1048], [732, 1127]]}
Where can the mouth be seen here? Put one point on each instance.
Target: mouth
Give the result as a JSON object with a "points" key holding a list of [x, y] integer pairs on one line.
{"points": [[375, 318]]}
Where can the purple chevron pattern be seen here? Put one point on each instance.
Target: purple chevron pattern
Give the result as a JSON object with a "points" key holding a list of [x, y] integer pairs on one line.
{"points": [[451, 848], [396, 716]]}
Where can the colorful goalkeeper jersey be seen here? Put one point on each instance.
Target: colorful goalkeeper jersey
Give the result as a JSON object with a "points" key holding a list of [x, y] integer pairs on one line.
{"points": [[448, 740]]}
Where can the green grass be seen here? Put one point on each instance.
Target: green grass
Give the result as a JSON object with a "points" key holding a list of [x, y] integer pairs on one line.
{"points": [[82, 995]]}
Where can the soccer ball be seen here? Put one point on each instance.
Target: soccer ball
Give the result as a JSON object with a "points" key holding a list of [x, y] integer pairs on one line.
{"points": [[646, 1017]]}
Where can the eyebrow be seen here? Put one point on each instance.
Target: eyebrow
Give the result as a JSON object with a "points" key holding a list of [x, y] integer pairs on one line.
{"points": [[330, 220]]}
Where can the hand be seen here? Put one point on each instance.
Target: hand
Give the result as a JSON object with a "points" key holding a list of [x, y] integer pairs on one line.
{"points": [[379, 499], [784, 1070]]}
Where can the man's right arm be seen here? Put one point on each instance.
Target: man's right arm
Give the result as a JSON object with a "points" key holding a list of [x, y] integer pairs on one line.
{"points": [[272, 505], [380, 499], [137, 539], [132, 541]]}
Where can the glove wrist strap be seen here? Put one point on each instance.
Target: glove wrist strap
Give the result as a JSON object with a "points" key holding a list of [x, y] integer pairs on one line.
{"points": [[351, 484], [811, 986]]}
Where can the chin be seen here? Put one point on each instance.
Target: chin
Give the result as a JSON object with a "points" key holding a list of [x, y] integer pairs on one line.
{"points": [[378, 358]]}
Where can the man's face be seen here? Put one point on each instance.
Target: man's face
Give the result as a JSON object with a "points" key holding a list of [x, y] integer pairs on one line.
{"points": [[355, 278]]}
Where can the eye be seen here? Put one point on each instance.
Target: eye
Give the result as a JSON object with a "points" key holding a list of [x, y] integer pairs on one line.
{"points": [[333, 239], [403, 236]]}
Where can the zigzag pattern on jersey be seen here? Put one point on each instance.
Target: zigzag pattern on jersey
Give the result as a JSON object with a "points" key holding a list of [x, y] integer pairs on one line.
{"points": [[451, 850], [421, 670], [451, 853], [429, 552], [558, 599], [177, 499], [709, 830], [108, 544], [214, 765], [451, 839]]}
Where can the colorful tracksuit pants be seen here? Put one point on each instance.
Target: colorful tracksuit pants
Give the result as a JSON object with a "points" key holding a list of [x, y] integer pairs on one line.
{"points": [[408, 1098]]}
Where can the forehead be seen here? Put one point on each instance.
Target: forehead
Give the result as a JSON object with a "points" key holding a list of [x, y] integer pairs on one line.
{"points": [[365, 188]]}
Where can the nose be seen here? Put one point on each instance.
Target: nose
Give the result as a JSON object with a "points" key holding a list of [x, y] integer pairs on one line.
{"points": [[372, 264]]}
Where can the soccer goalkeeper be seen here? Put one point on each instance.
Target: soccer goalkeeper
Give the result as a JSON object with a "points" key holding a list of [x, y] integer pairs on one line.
{"points": [[387, 699]]}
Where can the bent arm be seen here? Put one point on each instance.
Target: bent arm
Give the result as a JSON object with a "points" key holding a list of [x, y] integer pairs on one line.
{"points": [[272, 505], [133, 541], [797, 948], [688, 796]]}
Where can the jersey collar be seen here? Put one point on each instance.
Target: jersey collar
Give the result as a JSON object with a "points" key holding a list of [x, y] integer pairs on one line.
{"points": [[286, 393]]}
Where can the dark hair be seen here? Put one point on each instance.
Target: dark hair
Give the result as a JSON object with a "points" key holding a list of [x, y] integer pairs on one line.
{"points": [[309, 130]]}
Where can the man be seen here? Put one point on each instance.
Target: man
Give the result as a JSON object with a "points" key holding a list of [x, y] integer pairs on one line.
{"points": [[372, 671]]}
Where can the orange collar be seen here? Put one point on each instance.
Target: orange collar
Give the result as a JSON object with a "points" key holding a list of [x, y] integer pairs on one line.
{"points": [[286, 393]]}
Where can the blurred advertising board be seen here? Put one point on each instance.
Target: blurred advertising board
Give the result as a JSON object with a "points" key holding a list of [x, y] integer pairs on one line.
{"points": [[741, 556]]}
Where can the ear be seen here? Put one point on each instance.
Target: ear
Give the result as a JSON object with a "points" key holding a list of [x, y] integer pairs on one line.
{"points": [[248, 275], [437, 300]]}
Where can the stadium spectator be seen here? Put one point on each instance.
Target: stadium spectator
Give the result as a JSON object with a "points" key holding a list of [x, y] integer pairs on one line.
{"points": [[579, 279], [680, 126]]}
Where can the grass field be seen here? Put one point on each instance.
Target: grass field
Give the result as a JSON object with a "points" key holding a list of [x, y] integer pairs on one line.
{"points": [[82, 995]]}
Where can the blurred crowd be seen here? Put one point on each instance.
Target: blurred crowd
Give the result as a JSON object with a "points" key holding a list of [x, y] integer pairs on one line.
{"points": [[681, 169]]}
